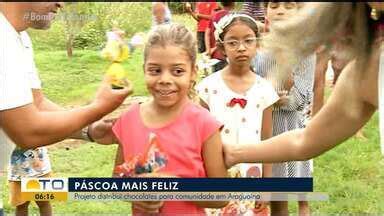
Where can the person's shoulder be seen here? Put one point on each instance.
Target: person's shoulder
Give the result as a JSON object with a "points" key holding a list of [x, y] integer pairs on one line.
{"points": [[25, 36], [217, 15], [213, 77], [263, 82], [26, 39], [214, 4], [195, 112], [9, 38], [209, 81], [6, 28], [197, 116], [201, 120], [131, 111]]}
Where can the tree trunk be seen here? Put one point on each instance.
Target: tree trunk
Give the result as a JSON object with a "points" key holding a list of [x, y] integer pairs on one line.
{"points": [[70, 45]]}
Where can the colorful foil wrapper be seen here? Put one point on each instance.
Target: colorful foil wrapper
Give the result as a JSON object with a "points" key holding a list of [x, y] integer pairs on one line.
{"points": [[151, 161]]}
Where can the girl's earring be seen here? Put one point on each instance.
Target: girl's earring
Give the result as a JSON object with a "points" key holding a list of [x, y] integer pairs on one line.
{"points": [[375, 15]]}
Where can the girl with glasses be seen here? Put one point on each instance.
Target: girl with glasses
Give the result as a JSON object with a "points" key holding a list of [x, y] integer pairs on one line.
{"points": [[240, 99]]}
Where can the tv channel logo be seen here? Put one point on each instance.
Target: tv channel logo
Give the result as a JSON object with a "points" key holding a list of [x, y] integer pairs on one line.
{"points": [[44, 185]]}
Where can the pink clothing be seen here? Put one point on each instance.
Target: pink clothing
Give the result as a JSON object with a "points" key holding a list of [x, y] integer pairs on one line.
{"points": [[181, 141]]}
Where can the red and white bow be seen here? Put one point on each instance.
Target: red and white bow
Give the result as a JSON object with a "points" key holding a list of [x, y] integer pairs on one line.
{"points": [[241, 101]]}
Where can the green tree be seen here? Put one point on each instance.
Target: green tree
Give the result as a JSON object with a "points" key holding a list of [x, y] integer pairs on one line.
{"points": [[75, 15]]}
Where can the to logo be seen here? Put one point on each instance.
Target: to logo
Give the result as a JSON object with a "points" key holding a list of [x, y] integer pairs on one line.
{"points": [[33, 185], [44, 184]]}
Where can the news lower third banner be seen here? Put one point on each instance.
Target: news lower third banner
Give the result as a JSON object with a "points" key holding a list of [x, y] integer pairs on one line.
{"points": [[170, 189]]}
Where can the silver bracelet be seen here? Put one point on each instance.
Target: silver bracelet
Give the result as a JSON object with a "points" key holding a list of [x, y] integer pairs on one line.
{"points": [[85, 135]]}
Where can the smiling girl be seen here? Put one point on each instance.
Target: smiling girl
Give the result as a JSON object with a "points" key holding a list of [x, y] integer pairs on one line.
{"points": [[187, 136]]}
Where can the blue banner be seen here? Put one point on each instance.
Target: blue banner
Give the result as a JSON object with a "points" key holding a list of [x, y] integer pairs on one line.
{"points": [[190, 184]]}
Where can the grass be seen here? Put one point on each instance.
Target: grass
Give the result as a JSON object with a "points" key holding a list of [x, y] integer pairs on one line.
{"points": [[186, 20], [67, 163], [352, 174], [73, 81]]}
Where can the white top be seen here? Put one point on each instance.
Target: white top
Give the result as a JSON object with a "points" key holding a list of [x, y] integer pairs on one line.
{"points": [[241, 125], [381, 101], [17, 76], [112, 36]]}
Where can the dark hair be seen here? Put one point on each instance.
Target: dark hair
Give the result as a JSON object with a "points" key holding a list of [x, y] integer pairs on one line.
{"points": [[226, 3], [250, 23], [242, 19]]}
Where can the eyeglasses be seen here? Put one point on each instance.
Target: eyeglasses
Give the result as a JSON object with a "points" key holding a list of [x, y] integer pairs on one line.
{"points": [[235, 44]]}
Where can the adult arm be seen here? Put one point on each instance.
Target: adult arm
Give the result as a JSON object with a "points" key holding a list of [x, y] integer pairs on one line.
{"points": [[197, 16], [100, 131], [29, 127], [203, 16], [207, 41], [42, 103], [342, 116]]}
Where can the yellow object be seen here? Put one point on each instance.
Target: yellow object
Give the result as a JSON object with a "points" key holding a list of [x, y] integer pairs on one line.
{"points": [[16, 197], [124, 53], [116, 52], [117, 73], [33, 184]]}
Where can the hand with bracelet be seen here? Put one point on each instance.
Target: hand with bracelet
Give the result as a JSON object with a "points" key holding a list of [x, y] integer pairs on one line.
{"points": [[99, 131]]}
